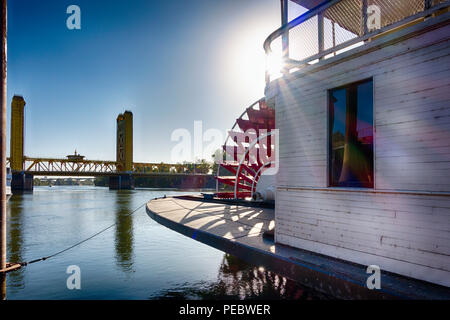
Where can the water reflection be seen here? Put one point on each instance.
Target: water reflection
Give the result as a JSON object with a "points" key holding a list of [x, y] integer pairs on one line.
{"points": [[240, 280], [15, 238], [3, 287], [124, 231], [116, 264]]}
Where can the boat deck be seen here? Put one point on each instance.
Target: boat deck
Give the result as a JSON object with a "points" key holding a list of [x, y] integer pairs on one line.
{"points": [[237, 228]]}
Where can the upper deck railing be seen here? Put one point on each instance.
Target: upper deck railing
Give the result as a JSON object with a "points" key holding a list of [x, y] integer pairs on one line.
{"points": [[339, 25]]}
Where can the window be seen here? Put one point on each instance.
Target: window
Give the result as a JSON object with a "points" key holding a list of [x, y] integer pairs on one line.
{"points": [[351, 135]]}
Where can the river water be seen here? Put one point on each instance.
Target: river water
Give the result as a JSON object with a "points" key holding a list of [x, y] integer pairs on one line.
{"points": [[135, 259]]}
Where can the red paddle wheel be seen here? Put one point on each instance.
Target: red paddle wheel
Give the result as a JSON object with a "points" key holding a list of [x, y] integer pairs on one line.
{"points": [[249, 149]]}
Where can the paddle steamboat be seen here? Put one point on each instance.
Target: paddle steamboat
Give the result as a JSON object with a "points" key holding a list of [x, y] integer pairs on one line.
{"points": [[359, 93]]}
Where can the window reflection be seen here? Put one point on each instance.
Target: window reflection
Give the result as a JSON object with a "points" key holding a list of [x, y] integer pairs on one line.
{"points": [[351, 135]]}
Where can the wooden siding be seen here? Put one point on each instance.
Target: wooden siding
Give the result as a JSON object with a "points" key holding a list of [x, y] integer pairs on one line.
{"points": [[402, 232]]}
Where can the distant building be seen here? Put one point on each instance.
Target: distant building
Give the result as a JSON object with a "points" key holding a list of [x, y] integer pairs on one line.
{"points": [[75, 157]]}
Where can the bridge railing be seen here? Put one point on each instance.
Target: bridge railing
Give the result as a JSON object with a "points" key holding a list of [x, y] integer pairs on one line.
{"points": [[339, 25]]}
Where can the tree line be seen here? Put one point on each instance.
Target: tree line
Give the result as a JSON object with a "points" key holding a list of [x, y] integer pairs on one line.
{"points": [[175, 182]]}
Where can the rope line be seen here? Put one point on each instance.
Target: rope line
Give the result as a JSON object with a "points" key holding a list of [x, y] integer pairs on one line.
{"points": [[23, 264]]}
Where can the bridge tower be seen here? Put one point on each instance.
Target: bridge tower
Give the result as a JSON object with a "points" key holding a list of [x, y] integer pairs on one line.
{"points": [[20, 181], [124, 153]]}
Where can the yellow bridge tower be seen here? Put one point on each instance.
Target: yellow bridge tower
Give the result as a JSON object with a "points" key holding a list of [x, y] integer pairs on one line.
{"points": [[20, 181], [17, 133], [124, 153], [124, 156]]}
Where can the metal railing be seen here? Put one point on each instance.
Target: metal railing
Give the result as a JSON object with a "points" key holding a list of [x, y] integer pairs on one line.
{"points": [[339, 25]]}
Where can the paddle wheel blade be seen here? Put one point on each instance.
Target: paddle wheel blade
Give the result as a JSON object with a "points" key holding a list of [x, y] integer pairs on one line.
{"points": [[249, 137]]}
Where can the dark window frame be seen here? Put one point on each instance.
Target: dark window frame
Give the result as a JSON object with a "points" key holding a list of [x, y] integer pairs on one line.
{"points": [[330, 135]]}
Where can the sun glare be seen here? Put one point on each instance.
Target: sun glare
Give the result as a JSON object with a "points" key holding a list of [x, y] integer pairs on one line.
{"points": [[248, 65], [274, 65], [246, 60]]}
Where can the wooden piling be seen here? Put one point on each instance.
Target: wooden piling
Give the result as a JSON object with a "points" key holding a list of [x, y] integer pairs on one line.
{"points": [[3, 71]]}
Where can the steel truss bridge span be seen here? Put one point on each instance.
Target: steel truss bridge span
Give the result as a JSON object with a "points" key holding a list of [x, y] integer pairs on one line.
{"points": [[67, 167]]}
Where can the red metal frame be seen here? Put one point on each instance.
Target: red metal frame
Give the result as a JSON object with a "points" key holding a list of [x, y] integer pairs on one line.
{"points": [[243, 172]]}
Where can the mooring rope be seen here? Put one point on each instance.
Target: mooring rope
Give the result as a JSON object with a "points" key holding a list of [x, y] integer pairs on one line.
{"points": [[23, 264]]}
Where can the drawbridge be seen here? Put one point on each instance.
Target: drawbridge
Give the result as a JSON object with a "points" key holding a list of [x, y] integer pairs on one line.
{"points": [[121, 172]]}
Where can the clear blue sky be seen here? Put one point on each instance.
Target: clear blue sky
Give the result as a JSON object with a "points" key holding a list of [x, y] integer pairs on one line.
{"points": [[170, 62]]}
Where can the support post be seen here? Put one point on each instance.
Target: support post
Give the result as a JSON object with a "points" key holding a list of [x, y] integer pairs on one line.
{"points": [[3, 71], [22, 183], [321, 38], [17, 182], [285, 36], [28, 183], [365, 17], [333, 31], [121, 182]]}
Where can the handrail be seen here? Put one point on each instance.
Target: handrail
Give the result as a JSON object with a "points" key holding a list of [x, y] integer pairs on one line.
{"points": [[429, 7], [300, 19]]}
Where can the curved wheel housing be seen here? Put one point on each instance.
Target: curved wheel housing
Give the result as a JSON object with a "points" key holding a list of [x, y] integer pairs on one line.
{"points": [[248, 150]]}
